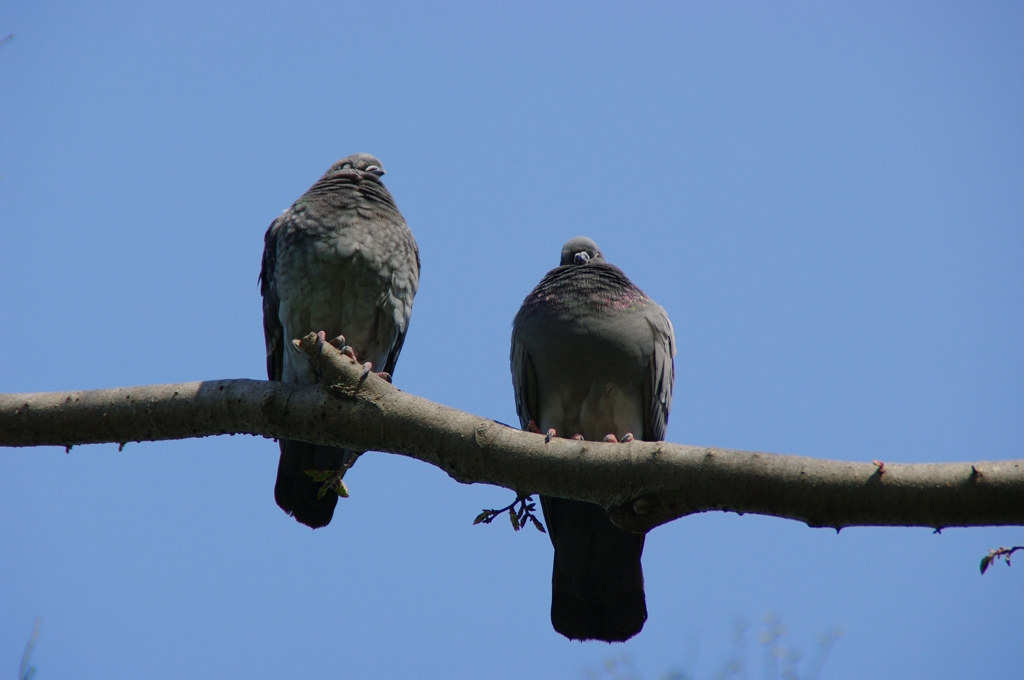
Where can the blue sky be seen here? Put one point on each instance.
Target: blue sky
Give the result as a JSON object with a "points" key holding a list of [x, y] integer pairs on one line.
{"points": [[827, 198]]}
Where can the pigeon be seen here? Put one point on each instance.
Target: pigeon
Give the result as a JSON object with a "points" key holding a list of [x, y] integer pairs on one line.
{"points": [[592, 358], [342, 261]]}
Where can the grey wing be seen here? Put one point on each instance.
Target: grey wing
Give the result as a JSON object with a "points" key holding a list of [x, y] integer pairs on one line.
{"points": [[661, 373], [524, 383], [396, 347], [273, 333]]}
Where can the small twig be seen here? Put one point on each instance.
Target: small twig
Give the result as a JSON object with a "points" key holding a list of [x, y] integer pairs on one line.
{"points": [[519, 517], [26, 670], [996, 554]]}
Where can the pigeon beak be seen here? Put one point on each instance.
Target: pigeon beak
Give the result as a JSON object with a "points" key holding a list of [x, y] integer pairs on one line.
{"points": [[375, 170]]}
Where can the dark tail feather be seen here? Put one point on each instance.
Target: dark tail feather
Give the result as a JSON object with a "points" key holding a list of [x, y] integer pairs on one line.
{"points": [[295, 491], [597, 588]]}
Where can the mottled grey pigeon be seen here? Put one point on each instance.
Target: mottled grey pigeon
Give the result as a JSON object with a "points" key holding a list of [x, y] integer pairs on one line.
{"points": [[592, 356], [340, 260]]}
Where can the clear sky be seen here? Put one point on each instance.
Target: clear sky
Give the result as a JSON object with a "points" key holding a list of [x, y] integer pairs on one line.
{"points": [[827, 198]]}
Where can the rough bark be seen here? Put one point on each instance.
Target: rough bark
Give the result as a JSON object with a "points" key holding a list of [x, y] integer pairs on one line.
{"points": [[642, 484]]}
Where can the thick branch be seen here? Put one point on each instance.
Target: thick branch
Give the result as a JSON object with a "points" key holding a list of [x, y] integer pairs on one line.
{"points": [[642, 484]]}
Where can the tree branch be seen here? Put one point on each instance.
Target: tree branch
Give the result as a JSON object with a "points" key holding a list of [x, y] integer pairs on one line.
{"points": [[641, 484]]}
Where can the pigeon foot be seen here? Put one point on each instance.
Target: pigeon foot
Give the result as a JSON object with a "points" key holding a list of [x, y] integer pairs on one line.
{"points": [[628, 437], [341, 345]]}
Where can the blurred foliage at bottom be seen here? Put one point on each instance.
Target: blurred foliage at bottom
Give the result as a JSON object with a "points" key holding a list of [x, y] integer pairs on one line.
{"points": [[780, 662]]}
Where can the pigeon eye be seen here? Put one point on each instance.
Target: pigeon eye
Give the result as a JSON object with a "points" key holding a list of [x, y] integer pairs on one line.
{"points": [[346, 166]]}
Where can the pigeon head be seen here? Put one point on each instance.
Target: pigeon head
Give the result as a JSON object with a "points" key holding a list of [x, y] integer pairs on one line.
{"points": [[363, 162], [580, 250]]}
